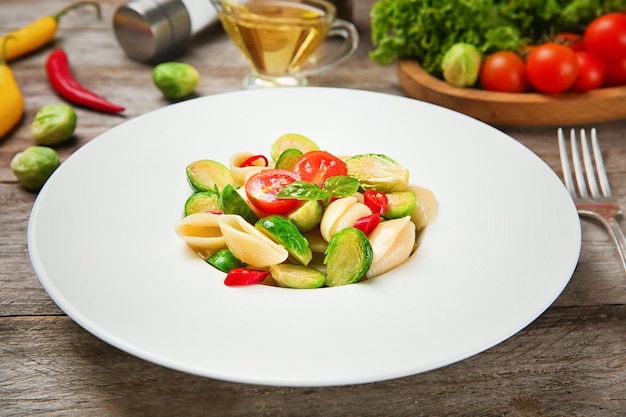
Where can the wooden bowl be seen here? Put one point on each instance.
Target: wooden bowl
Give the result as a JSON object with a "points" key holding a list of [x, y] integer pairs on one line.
{"points": [[514, 109]]}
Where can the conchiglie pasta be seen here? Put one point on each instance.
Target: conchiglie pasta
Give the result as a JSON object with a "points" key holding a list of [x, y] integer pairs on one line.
{"points": [[248, 244], [201, 230], [425, 211], [241, 174], [392, 243], [340, 214]]}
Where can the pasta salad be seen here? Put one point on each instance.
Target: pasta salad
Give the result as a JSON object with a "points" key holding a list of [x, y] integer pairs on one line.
{"points": [[301, 217]]}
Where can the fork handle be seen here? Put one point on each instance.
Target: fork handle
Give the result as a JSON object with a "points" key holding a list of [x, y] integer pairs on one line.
{"points": [[615, 231]]}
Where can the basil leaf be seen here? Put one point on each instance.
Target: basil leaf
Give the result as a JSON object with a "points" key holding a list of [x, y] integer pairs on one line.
{"points": [[341, 186], [302, 190]]}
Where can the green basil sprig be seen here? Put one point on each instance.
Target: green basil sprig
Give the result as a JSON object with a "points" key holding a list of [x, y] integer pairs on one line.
{"points": [[334, 187]]}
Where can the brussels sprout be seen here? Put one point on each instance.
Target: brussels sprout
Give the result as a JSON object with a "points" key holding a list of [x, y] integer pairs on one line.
{"points": [[400, 204], [292, 141], [53, 124], [307, 216], [282, 231], [224, 260], [207, 175], [176, 80], [461, 64], [297, 276], [348, 257], [34, 165], [287, 159], [202, 202], [378, 172], [231, 202]]}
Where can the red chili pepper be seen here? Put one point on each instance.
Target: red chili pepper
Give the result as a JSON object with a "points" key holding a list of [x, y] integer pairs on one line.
{"points": [[367, 224], [376, 201], [255, 160], [245, 276], [62, 80]]}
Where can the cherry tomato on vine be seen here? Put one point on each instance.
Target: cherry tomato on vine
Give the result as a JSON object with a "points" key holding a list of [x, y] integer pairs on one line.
{"points": [[551, 68], [590, 72], [605, 37], [503, 71], [615, 73], [262, 188], [317, 166], [571, 40]]}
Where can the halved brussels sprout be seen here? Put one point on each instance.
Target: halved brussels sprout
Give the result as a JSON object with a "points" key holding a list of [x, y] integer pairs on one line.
{"points": [[400, 204], [224, 260], [282, 230], [202, 202], [378, 172], [231, 202], [297, 276], [307, 216], [292, 141], [348, 257], [206, 175], [287, 159]]}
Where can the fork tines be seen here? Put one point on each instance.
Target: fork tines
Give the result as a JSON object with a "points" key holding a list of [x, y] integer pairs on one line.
{"points": [[585, 171]]}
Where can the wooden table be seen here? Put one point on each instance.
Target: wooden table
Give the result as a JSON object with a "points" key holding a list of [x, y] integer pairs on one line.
{"points": [[571, 361]]}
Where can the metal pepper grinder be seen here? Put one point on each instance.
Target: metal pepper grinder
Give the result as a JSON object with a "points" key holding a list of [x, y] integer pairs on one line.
{"points": [[155, 30]]}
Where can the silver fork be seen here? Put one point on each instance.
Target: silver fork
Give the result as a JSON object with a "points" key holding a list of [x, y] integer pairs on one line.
{"points": [[591, 200]]}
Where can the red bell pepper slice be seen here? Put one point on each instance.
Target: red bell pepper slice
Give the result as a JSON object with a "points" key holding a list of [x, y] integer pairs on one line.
{"points": [[245, 276]]}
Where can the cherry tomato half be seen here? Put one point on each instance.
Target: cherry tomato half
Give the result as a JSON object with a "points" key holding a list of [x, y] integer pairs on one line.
{"points": [[262, 188], [503, 71], [590, 72], [551, 68], [317, 166], [605, 37]]}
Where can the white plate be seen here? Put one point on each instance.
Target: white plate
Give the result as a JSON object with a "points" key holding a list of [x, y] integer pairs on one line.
{"points": [[506, 242]]}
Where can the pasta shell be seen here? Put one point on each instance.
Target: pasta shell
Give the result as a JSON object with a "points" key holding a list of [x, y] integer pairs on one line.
{"points": [[426, 208], [392, 243], [340, 214], [201, 230], [248, 244], [241, 174]]}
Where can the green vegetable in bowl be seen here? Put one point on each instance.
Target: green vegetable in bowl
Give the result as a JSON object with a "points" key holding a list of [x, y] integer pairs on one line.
{"points": [[348, 257], [461, 64], [208, 175], [224, 260], [34, 165], [176, 80], [202, 202], [400, 204], [231, 202], [53, 124], [297, 276], [282, 230], [378, 172]]}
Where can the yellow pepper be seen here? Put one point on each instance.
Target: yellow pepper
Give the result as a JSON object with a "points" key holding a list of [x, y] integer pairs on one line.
{"points": [[38, 33], [11, 99]]}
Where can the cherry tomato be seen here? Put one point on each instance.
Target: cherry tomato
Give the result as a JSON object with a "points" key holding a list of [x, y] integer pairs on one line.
{"points": [[317, 166], [262, 188], [245, 276], [615, 73], [367, 224], [503, 71], [375, 201], [551, 68], [590, 72], [255, 160], [571, 40], [605, 37]]}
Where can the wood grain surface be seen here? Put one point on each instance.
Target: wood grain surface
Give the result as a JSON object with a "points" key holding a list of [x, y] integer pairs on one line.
{"points": [[571, 361]]}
